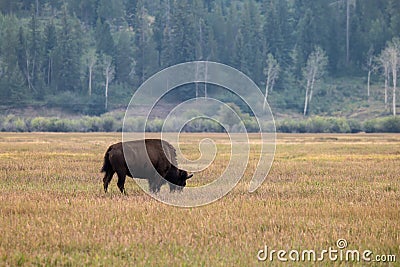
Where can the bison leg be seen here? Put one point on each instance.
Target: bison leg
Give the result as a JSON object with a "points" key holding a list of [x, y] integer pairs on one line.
{"points": [[107, 179], [173, 188], [155, 183], [121, 182], [154, 187]]}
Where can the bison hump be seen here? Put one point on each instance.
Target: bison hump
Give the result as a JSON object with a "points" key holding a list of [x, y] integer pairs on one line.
{"points": [[172, 153]]}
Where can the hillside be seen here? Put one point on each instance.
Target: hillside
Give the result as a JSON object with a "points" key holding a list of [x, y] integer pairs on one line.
{"points": [[62, 55]]}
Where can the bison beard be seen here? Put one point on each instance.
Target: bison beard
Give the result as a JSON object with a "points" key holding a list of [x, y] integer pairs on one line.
{"points": [[159, 163]]}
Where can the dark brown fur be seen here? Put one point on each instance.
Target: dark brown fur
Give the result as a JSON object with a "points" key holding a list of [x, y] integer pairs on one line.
{"points": [[162, 156]]}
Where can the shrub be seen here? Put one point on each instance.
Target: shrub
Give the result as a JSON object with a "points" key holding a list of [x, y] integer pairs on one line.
{"points": [[108, 124], [288, 126], [134, 124], [355, 126], [20, 125], [39, 124], [154, 125], [64, 125], [391, 124], [383, 125], [338, 125], [317, 125], [91, 124]]}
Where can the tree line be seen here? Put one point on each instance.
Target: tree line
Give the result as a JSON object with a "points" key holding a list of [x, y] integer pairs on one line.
{"points": [[89, 55]]}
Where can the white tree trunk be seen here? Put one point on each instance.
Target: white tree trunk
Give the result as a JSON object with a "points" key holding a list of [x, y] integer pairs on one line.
{"points": [[368, 84], [266, 90], [312, 83], [108, 74], [205, 83], [28, 76], [347, 31], [106, 92], [49, 71], [90, 81], [91, 62], [306, 98], [394, 89], [197, 78], [91, 66], [37, 8], [386, 87]]}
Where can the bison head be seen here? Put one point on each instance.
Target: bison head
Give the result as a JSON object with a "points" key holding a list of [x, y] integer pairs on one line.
{"points": [[183, 176], [179, 180]]}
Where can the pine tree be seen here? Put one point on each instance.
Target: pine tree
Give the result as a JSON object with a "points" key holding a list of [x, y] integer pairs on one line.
{"points": [[277, 29], [68, 55], [104, 39], [111, 11], [182, 33], [251, 61], [130, 12], [12, 84], [145, 56], [50, 41], [124, 59]]}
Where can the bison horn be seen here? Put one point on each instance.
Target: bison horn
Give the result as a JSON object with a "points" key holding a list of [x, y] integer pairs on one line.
{"points": [[189, 176]]}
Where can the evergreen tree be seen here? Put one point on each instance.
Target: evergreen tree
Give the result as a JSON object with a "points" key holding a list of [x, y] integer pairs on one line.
{"points": [[68, 54], [251, 61], [165, 44], [277, 29], [104, 39], [86, 10], [12, 85], [145, 57], [130, 12], [124, 59], [159, 27], [50, 40], [35, 54], [111, 11], [183, 38]]}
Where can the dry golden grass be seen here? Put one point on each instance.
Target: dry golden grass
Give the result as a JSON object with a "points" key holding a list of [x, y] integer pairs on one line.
{"points": [[321, 188]]}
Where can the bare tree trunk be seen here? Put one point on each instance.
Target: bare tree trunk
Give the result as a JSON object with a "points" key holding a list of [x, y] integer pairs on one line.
{"points": [[197, 78], [386, 88], [33, 76], [205, 83], [306, 98], [28, 76], [368, 84], [107, 82], [394, 90], [90, 80], [91, 66], [201, 40], [49, 72], [108, 73], [265, 96], [143, 40], [106, 93], [312, 85], [267, 89], [91, 59], [168, 23], [37, 8], [347, 32]]}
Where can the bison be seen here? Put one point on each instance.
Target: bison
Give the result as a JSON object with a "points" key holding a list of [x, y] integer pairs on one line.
{"points": [[160, 153]]}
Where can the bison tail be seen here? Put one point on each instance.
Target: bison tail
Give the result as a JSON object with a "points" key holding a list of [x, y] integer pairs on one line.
{"points": [[107, 164]]}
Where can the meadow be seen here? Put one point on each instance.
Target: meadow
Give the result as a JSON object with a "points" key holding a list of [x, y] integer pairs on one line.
{"points": [[321, 188]]}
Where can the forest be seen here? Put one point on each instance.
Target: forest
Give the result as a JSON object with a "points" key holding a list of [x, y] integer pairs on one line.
{"points": [[89, 56]]}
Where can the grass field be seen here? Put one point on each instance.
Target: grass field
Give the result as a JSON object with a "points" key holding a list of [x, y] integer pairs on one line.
{"points": [[321, 188]]}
